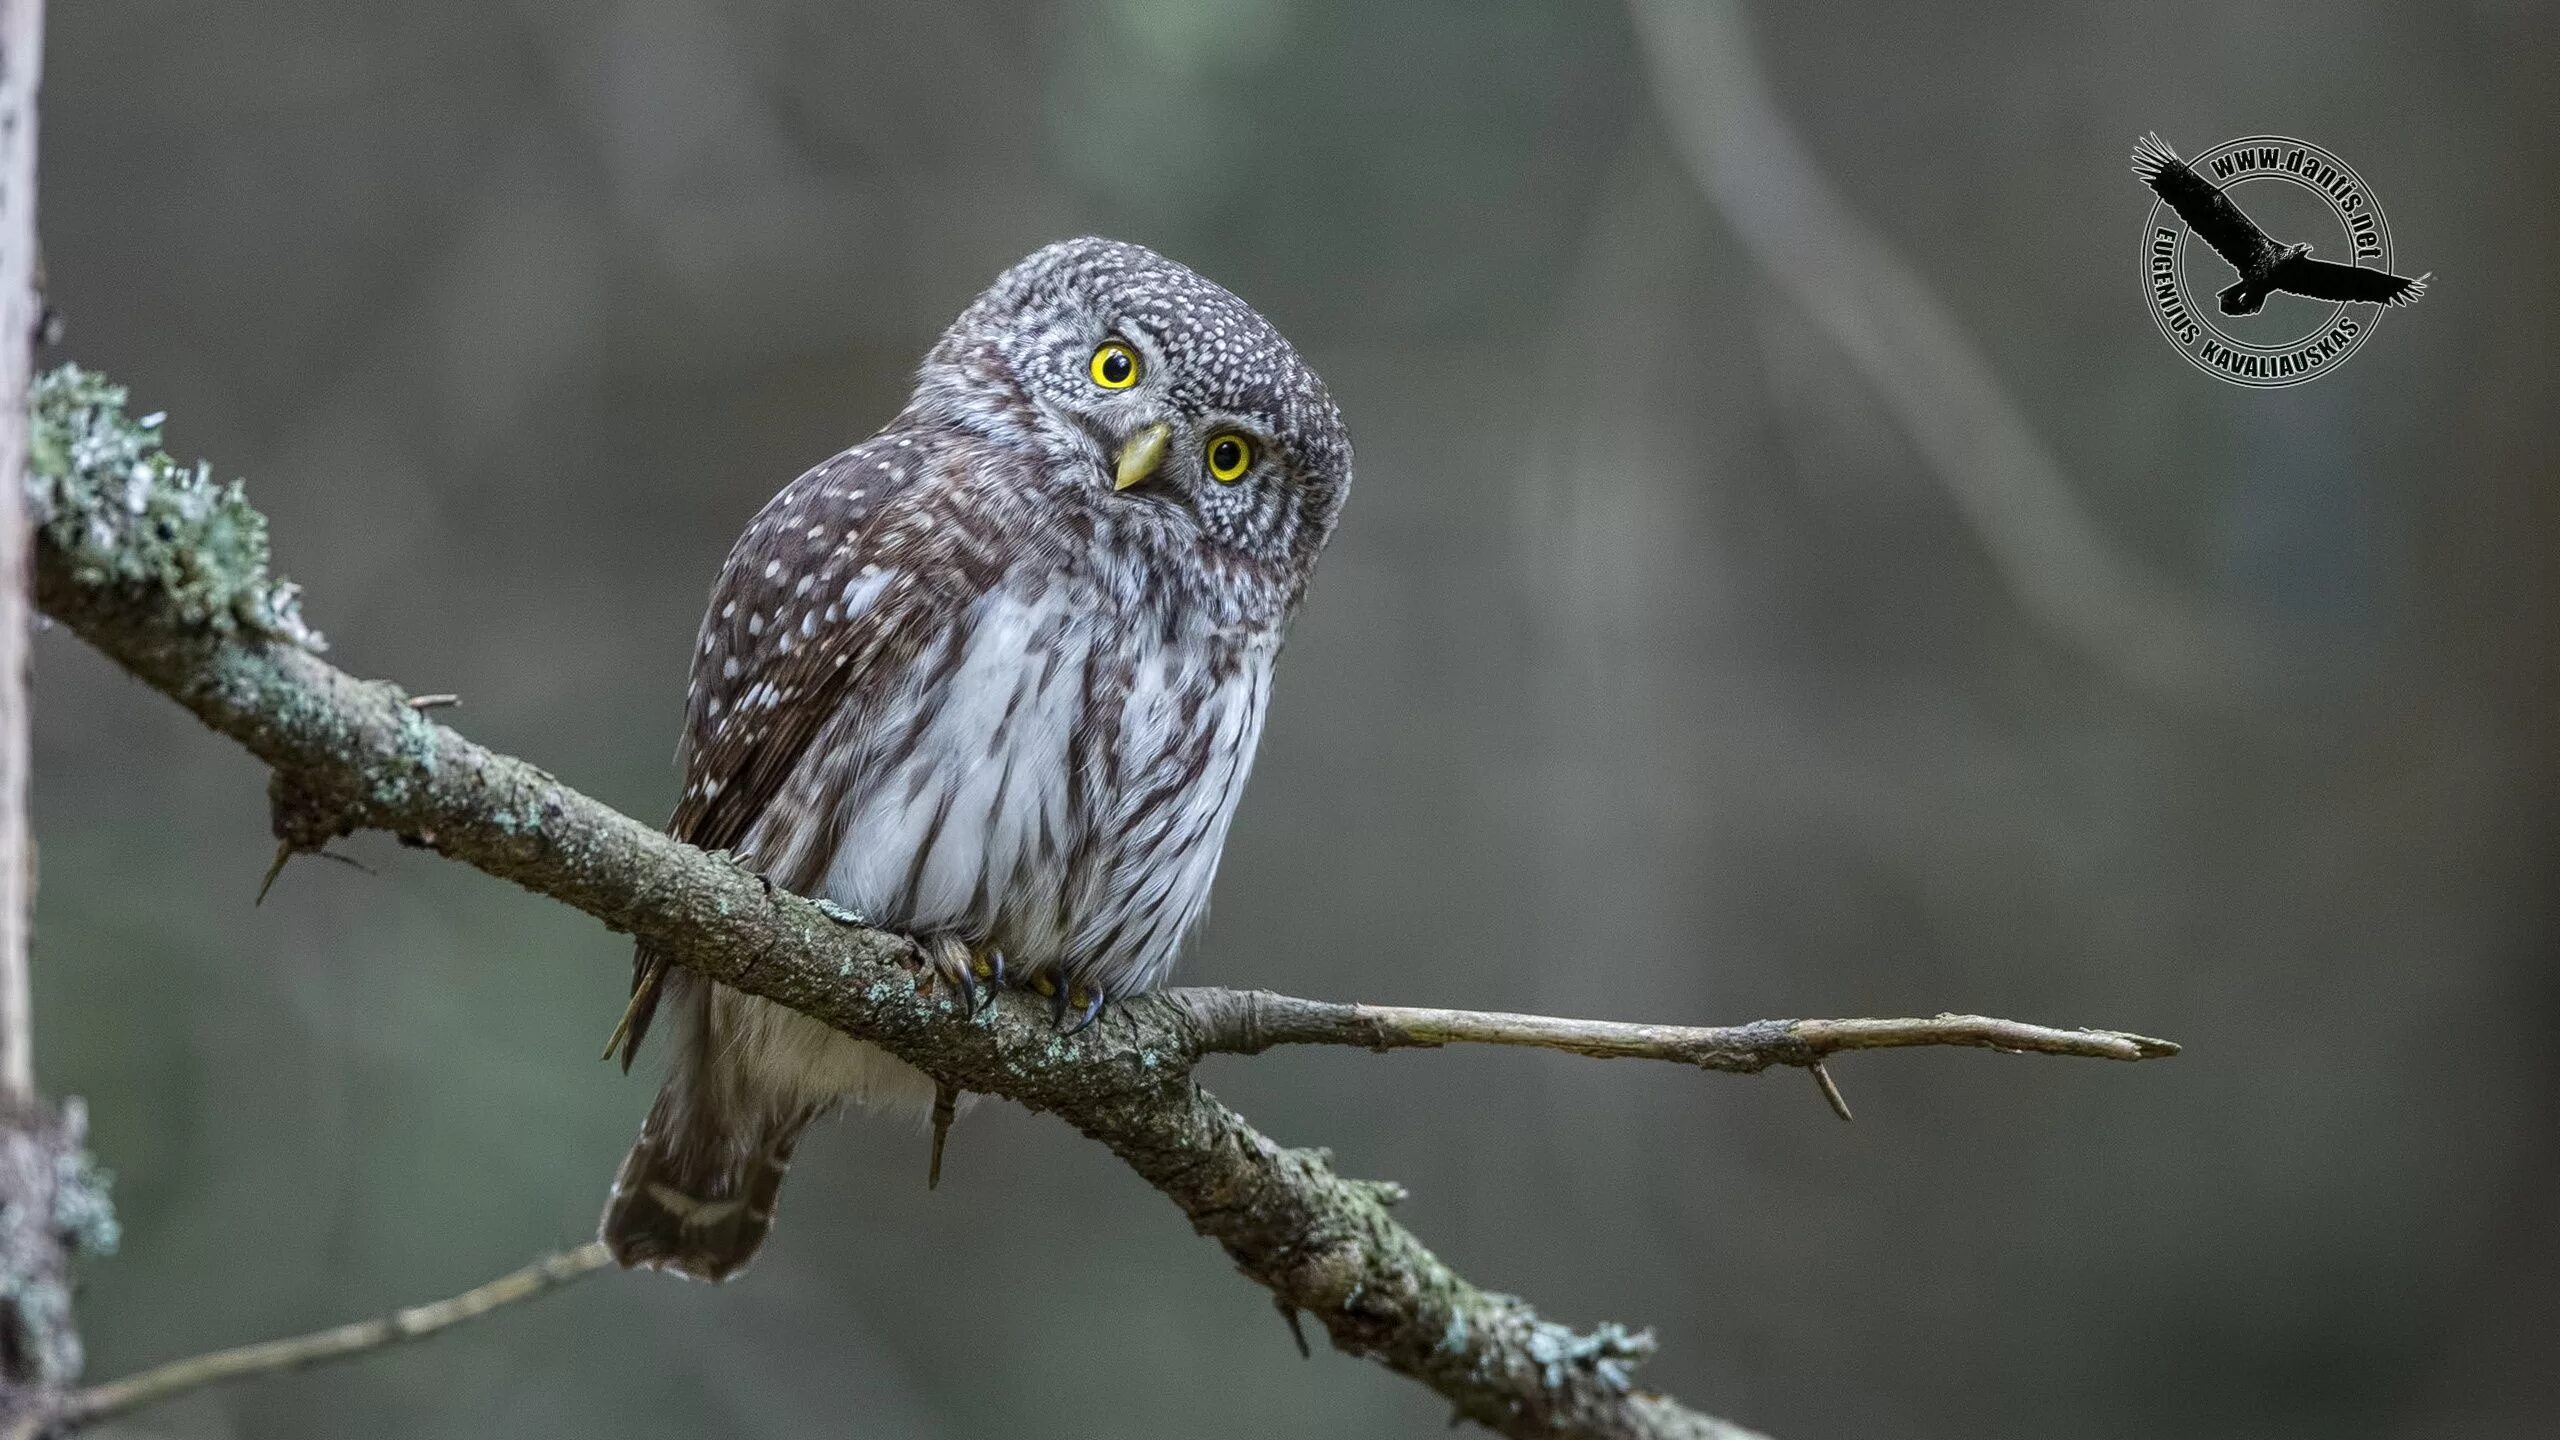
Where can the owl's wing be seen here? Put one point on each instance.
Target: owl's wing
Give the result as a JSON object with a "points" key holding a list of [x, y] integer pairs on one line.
{"points": [[849, 574]]}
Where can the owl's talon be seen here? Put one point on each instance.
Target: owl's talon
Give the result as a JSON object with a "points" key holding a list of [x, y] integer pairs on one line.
{"points": [[947, 960], [1057, 1005], [1092, 1012], [987, 965]]}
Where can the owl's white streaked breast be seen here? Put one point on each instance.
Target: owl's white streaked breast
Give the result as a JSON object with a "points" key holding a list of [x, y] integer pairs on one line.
{"points": [[954, 789], [980, 797]]}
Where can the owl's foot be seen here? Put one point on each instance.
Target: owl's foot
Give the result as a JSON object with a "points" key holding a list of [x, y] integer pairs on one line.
{"points": [[947, 958], [1082, 998]]}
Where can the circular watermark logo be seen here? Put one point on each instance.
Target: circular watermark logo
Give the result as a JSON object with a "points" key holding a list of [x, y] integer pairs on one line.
{"points": [[2265, 260]]}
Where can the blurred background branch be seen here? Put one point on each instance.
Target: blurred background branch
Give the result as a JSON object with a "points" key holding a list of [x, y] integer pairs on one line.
{"points": [[21, 69], [53, 1203], [1915, 355], [94, 1404]]}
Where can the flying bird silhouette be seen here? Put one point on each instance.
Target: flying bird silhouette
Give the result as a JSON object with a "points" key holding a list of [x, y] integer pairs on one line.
{"points": [[2264, 265]]}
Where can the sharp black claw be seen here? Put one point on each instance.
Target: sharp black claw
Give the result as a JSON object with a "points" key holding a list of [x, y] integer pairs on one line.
{"points": [[1092, 1011], [1057, 1006], [968, 993], [989, 968]]}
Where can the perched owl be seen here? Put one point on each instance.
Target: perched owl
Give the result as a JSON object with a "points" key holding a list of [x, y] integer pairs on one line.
{"points": [[992, 678]]}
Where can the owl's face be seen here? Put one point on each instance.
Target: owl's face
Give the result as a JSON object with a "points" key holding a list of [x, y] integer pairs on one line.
{"points": [[1150, 386]]}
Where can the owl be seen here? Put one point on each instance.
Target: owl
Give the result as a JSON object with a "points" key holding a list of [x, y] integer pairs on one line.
{"points": [[992, 678]]}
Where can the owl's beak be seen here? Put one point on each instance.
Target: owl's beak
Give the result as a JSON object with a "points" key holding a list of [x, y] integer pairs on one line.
{"points": [[1140, 455]]}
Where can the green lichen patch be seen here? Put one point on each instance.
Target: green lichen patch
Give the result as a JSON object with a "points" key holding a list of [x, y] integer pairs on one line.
{"points": [[112, 501], [1609, 1352], [83, 1205]]}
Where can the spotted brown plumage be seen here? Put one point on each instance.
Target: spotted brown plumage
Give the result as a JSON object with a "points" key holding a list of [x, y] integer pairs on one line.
{"points": [[994, 678]]}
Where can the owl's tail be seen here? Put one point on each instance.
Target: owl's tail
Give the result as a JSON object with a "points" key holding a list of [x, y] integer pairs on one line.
{"points": [[695, 1196]]}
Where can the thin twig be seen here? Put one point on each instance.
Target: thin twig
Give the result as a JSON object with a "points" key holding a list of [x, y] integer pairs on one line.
{"points": [[349, 861], [1831, 1095], [946, 1108], [83, 1408], [1297, 1331], [1247, 1022]]}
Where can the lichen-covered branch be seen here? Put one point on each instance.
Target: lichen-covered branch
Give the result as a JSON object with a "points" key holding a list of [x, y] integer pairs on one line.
{"points": [[167, 573], [86, 1407], [53, 1211]]}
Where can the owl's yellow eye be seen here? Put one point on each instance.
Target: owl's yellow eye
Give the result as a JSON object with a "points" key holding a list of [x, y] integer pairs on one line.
{"points": [[1230, 455], [1115, 366]]}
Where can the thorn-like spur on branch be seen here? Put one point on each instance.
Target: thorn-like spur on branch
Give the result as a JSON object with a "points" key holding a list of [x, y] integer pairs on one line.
{"points": [[1247, 1022], [167, 574], [1831, 1095], [83, 1408]]}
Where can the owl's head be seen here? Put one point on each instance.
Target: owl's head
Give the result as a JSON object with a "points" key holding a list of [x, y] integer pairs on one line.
{"points": [[1151, 386]]}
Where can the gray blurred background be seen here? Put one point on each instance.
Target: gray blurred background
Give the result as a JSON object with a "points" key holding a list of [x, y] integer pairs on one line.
{"points": [[1789, 575]]}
